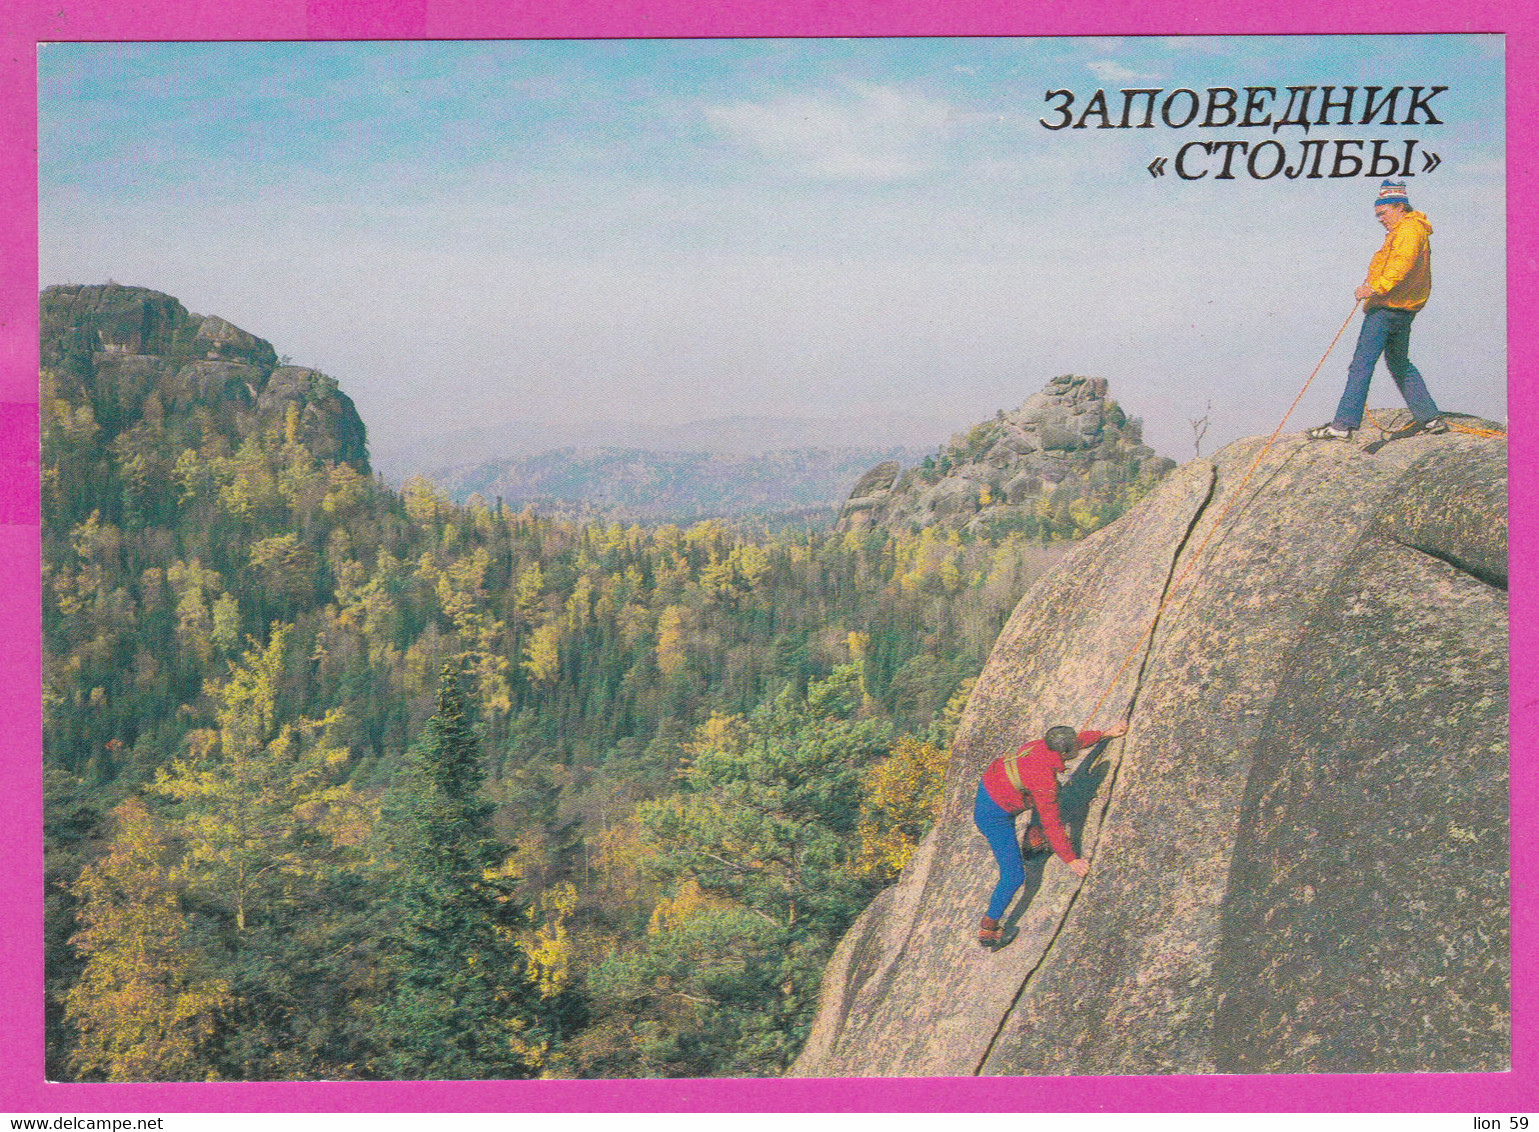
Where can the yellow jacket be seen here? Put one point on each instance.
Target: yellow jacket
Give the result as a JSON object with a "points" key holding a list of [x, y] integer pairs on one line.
{"points": [[1400, 272]]}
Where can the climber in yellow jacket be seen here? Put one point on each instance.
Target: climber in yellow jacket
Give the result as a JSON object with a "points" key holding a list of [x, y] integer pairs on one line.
{"points": [[1398, 284]]}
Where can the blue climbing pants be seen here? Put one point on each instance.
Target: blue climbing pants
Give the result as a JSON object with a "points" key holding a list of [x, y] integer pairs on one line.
{"points": [[998, 829], [1387, 332]]}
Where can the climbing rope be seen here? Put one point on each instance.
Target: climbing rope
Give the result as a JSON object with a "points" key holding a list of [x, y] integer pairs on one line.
{"points": [[1171, 589], [1195, 557], [1453, 426]]}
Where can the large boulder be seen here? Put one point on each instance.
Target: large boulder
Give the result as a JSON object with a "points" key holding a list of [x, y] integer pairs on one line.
{"points": [[222, 385], [109, 318], [219, 340], [326, 419], [870, 494], [1299, 851]]}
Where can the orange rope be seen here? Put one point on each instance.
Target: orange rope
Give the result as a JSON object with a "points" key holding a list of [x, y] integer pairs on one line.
{"points": [[1453, 426], [1218, 523]]}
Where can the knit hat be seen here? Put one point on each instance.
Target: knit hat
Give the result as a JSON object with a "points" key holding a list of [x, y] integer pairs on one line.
{"points": [[1392, 192]]}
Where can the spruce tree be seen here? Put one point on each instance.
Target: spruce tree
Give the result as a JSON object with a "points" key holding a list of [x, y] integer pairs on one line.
{"points": [[460, 1004]]}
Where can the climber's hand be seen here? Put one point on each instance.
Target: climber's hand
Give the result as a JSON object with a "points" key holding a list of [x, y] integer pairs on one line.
{"points": [[1079, 866]]}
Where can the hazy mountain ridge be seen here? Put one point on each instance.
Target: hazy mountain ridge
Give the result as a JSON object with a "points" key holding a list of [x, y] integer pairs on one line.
{"points": [[650, 484], [405, 453]]}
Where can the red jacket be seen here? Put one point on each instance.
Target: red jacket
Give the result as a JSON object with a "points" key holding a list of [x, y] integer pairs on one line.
{"points": [[1038, 767]]}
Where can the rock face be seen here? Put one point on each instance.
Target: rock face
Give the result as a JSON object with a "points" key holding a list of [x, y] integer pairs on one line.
{"points": [[124, 344], [1058, 447], [1299, 851]]}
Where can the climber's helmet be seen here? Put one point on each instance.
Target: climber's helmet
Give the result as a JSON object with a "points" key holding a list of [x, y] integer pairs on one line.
{"points": [[1064, 740]]}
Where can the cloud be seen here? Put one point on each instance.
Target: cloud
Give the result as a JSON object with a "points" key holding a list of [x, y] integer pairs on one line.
{"points": [[1109, 71], [871, 133]]}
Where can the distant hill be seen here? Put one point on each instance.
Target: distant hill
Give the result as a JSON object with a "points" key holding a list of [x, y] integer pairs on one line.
{"points": [[631, 483], [413, 448], [163, 379], [1067, 461]]}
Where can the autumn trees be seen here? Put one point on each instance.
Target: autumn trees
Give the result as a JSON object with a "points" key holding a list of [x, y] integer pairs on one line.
{"points": [[345, 782], [147, 1002], [669, 768]]}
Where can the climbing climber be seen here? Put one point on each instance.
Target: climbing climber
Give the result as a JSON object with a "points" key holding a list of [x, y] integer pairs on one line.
{"points": [[1025, 780], [1398, 284]]}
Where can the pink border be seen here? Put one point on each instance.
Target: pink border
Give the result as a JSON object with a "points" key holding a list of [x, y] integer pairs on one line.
{"points": [[22, 1088]]}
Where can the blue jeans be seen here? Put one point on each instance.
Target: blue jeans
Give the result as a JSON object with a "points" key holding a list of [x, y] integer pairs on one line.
{"points": [[998, 829], [1388, 332]]}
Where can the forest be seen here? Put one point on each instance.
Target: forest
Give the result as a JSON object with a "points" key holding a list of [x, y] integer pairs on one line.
{"points": [[347, 782]]}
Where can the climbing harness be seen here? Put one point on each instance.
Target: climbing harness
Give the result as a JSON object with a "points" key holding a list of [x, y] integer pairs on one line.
{"points": [[1012, 765]]}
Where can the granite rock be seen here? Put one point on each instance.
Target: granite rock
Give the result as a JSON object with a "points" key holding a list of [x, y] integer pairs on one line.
{"points": [[1299, 849], [1055, 441], [128, 351]]}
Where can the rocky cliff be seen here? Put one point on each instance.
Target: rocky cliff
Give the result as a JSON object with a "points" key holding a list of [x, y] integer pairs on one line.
{"points": [[127, 351], [1299, 851], [1068, 444]]}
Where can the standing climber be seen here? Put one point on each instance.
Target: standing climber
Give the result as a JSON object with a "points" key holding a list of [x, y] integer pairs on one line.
{"points": [[1011, 785], [1399, 281]]}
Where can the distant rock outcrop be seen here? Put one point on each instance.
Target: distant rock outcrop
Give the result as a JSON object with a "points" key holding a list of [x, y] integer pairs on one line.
{"points": [[122, 345], [1299, 851], [1063, 445]]}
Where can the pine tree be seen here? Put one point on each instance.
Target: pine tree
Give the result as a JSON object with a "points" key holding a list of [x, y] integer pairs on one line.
{"points": [[461, 1004]]}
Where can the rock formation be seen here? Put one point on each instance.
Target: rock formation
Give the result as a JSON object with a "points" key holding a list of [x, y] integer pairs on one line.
{"points": [[123, 344], [1299, 852], [1061, 444]]}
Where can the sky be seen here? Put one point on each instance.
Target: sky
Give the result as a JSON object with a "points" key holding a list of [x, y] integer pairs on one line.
{"points": [[486, 234]]}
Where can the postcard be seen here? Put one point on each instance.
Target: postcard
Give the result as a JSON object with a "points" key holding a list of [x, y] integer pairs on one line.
{"points": [[780, 561]]}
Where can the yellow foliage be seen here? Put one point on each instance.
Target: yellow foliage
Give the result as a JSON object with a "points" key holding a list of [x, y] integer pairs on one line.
{"points": [[143, 1008], [950, 575], [251, 484], [688, 903], [1084, 516], [716, 579], [526, 599], [225, 633], [579, 605], [719, 733], [542, 657], [344, 489], [94, 540], [670, 641], [749, 563], [902, 800], [422, 500], [549, 946], [617, 852]]}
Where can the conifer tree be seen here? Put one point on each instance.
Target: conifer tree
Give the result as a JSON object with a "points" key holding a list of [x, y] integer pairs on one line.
{"points": [[461, 1004]]}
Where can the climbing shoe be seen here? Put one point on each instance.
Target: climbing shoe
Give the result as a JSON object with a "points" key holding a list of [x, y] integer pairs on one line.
{"points": [[989, 934], [1329, 432], [1434, 426], [995, 937]]}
